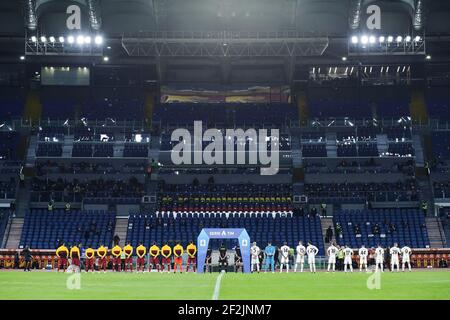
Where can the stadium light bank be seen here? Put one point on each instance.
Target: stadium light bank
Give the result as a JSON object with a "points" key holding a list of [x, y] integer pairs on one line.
{"points": [[366, 39], [76, 39], [214, 153]]}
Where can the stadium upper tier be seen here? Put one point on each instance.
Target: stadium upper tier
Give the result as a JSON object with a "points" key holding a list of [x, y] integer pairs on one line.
{"points": [[226, 115], [8, 179], [70, 189], [355, 192], [441, 144], [12, 101], [225, 198], [9, 140], [438, 102], [359, 102], [124, 103], [127, 102]]}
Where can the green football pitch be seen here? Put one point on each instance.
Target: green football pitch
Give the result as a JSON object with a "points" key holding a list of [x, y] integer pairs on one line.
{"points": [[304, 286]]}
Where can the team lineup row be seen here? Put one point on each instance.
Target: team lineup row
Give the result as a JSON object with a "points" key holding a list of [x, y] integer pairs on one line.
{"points": [[160, 259], [333, 252], [118, 253]]}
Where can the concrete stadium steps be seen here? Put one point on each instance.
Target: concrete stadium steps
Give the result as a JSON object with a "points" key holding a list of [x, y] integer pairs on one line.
{"points": [[31, 153], [382, 143], [447, 235], [331, 145], [23, 196], [426, 191], [326, 222], [121, 229], [6, 233], [435, 233], [417, 145], [22, 147], [68, 146], [15, 232]]}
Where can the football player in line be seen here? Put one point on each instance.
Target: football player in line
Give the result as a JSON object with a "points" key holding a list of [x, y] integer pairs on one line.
{"points": [[284, 257], [300, 259], [192, 260], [379, 258], [363, 253], [406, 253], [238, 264], [254, 253], [332, 251], [312, 251], [154, 262], [178, 258], [269, 253], [141, 250], [395, 252], [128, 250], [348, 254], [62, 253]]}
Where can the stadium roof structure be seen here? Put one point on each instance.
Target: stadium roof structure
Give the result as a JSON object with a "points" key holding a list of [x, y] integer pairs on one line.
{"points": [[221, 33]]}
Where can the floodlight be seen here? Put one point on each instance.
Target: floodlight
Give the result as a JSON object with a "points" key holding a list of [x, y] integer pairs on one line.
{"points": [[80, 40], [98, 40]]}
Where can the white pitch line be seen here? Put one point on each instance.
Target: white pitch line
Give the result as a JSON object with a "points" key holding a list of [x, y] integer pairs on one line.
{"points": [[217, 287]]}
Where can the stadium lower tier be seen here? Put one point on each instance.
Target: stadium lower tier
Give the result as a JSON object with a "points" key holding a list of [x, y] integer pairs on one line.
{"points": [[381, 226], [43, 229], [277, 229]]}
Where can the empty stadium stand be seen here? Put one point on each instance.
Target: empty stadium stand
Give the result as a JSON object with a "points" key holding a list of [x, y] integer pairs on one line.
{"points": [[185, 227], [43, 229], [226, 198], [381, 226]]}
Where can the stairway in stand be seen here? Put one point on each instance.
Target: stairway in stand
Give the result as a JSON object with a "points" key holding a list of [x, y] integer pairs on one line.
{"points": [[15, 232], [327, 222], [435, 232], [121, 229]]}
